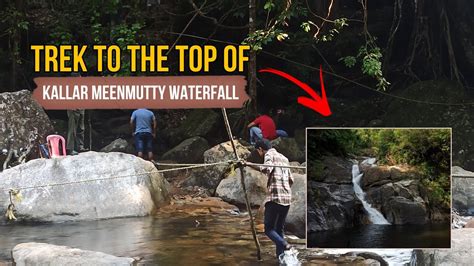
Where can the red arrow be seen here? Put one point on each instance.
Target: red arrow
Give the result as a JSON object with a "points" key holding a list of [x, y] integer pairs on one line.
{"points": [[317, 103]]}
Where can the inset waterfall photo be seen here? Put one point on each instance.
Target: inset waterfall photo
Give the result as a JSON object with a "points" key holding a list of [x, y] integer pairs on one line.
{"points": [[378, 187]]}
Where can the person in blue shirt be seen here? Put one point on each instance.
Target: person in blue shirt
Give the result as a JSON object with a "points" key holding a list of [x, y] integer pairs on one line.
{"points": [[143, 123]]}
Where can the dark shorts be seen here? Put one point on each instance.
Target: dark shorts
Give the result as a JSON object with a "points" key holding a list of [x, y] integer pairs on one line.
{"points": [[144, 142]]}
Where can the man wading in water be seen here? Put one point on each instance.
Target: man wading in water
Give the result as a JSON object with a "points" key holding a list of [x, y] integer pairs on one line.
{"points": [[278, 201]]}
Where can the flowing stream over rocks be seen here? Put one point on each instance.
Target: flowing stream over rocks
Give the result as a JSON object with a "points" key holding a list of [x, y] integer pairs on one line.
{"points": [[374, 215]]}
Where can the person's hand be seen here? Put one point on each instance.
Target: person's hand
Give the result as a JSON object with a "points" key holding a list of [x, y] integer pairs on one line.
{"points": [[154, 135]]}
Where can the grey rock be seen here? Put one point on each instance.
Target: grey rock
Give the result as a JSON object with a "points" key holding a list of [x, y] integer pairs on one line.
{"points": [[289, 147], [331, 206], [230, 189], [463, 191], [26, 254], [189, 151], [400, 210], [210, 176], [118, 145], [296, 219], [21, 118], [132, 187]]}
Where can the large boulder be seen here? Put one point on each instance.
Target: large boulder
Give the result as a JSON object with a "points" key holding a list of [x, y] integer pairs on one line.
{"points": [[463, 191], [400, 210], [379, 195], [21, 120], [88, 186], [289, 147], [189, 151], [332, 206], [47, 254], [460, 252], [379, 175], [210, 176], [332, 202], [296, 219], [230, 189]]}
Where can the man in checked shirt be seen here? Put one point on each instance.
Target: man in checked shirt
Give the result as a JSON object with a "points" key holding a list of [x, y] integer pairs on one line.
{"points": [[278, 201]]}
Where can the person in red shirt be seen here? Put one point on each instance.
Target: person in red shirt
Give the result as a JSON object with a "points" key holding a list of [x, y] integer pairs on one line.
{"points": [[262, 127]]}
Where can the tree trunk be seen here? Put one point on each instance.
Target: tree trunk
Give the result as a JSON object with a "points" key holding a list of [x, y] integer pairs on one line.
{"points": [[252, 69]]}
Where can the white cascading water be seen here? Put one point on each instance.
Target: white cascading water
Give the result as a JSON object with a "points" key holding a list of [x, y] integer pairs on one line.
{"points": [[375, 216]]}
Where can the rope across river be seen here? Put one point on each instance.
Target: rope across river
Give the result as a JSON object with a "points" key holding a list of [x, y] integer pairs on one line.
{"points": [[231, 163]]}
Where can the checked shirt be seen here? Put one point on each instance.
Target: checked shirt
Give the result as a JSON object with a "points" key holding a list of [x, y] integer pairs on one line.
{"points": [[278, 178]]}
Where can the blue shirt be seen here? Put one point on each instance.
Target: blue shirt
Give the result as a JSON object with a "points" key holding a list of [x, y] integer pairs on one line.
{"points": [[143, 119]]}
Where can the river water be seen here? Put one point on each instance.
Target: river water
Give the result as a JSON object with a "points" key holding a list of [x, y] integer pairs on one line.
{"points": [[384, 236], [170, 239]]}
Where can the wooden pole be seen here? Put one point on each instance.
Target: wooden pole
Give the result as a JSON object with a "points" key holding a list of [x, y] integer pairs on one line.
{"points": [[242, 181]]}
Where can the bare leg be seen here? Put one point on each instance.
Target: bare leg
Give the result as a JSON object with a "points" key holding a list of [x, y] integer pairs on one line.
{"points": [[150, 155], [140, 154]]}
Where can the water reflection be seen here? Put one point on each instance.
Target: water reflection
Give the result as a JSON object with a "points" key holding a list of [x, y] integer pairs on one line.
{"points": [[384, 236], [169, 240]]}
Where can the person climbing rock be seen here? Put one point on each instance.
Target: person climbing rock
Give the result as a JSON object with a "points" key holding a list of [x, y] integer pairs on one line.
{"points": [[262, 127], [278, 200], [143, 123]]}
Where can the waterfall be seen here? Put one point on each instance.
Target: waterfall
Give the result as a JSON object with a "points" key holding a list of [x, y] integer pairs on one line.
{"points": [[375, 216]]}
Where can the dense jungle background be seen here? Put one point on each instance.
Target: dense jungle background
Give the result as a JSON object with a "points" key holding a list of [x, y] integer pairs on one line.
{"points": [[387, 63]]}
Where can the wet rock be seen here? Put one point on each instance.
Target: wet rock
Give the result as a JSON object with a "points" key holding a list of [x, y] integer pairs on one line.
{"points": [[332, 206], [289, 147], [21, 118], [209, 177], [460, 253], [400, 210], [47, 254], [189, 151], [118, 145], [131, 187], [296, 219], [230, 189], [376, 196]]}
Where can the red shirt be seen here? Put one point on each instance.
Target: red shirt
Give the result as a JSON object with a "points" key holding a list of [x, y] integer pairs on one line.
{"points": [[266, 124]]}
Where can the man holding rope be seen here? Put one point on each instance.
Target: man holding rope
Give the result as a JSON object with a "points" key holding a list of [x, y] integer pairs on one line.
{"points": [[278, 201]]}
